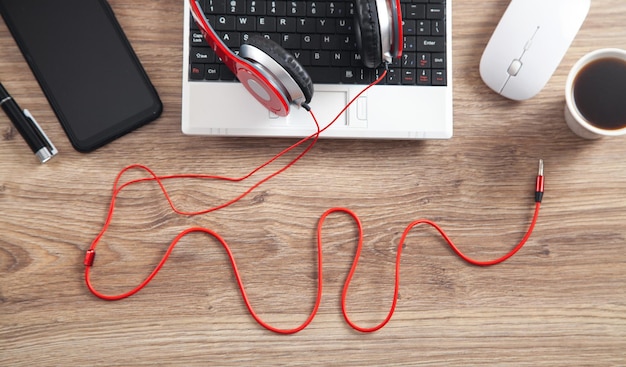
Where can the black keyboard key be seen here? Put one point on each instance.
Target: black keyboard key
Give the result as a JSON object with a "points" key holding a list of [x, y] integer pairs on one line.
{"points": [[430, 44], [214, 6], [256, 7], [355, 60], [310, 42], [340, 58], [434, 11], [324, 74], [212, 71], [274, 37], [290, 41], [303, 57], [336, 9], [316, 9], [202, 55], [230, 39], [265, 24], [348, 76], [408, 77], [245, 23], [439, 77], [365, 76], [393, 76], [286, 25], [324, 25], [305, 25], [197, 39], [437, 28], [409, 60], [414, 11], [424, 77], [344, 26], [320, 58], [410, 44], [439, 60], [423, 60], [409, 28], [224, 23], [196, 71], [276, 8], [226, 73], [347, 42], [236, 7], [330, 42], [423, 28], [296, 8]]}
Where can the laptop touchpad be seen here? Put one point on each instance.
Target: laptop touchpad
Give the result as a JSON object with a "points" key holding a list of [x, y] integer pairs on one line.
{"points": [[325, 105]]}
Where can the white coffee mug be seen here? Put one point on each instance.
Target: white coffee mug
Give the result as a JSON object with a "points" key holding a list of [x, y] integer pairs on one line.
{"points": [[576, 119]]}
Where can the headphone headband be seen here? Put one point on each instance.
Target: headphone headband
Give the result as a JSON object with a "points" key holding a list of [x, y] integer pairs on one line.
{"points": [[397, 43], [390, 22]]}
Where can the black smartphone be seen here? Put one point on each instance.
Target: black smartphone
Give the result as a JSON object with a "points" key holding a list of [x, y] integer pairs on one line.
{"points": [[86, 67]]}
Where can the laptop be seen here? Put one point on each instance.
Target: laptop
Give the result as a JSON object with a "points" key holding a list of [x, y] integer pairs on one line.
{"points": [[414, 101]]}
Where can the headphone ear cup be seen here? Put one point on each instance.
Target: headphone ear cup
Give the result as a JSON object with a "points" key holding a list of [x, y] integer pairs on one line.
{"points": [[368, 33], [289, 63]]}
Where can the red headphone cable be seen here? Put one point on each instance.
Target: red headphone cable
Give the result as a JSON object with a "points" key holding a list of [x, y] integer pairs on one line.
{"points": [[117, 188]]}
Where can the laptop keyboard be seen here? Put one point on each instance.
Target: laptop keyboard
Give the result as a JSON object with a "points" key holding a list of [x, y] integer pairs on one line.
{"points": [[320, 35]]}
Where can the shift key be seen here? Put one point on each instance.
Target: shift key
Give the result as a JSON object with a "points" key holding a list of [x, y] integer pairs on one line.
{"points": [[430, 44]]}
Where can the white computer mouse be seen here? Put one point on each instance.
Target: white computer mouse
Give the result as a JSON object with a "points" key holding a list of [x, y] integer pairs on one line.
{"points": [[529, 43]]}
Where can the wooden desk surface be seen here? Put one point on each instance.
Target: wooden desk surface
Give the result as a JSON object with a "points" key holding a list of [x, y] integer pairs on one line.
{"points": [[560, 301]]}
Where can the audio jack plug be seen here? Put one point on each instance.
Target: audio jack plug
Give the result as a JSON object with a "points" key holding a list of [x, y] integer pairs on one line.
{"points": [[539, 183]]}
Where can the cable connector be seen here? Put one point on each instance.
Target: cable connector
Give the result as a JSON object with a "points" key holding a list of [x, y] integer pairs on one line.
{"points": [[539, 183], [89, 257]]}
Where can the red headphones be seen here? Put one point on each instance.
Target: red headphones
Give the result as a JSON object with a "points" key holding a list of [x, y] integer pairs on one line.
{"points": [[276, 79]]}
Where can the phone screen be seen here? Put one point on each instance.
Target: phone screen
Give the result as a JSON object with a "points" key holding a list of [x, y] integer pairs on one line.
{"points": [[85, 66]]}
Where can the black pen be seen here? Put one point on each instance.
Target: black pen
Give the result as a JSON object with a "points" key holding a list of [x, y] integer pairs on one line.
{"points": [[27, 126]]}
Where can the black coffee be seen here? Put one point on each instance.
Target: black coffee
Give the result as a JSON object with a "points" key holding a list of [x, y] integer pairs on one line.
{"points": [[600, 93]]}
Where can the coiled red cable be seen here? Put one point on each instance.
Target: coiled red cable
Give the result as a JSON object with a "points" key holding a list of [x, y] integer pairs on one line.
{"points": [[312, 139]]}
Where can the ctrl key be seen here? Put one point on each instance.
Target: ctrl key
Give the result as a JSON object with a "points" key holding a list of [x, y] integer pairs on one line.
{"points": [[212, 72]]}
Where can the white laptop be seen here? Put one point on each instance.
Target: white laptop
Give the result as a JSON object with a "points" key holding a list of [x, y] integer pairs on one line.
{"points": [[414, 103]]}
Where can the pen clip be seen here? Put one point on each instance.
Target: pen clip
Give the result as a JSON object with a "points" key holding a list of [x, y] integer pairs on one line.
{"points": [[51, 150]]}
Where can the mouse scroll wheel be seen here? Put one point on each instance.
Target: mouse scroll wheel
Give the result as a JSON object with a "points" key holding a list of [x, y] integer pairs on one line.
{"points": [[514, 68]]}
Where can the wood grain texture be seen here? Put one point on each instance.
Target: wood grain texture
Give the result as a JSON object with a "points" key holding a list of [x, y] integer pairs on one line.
{"points": [[560, 301]]}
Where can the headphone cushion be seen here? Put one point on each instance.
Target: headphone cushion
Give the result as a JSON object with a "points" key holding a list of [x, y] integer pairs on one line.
{"points": [[286, 61], [369, 38]]}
